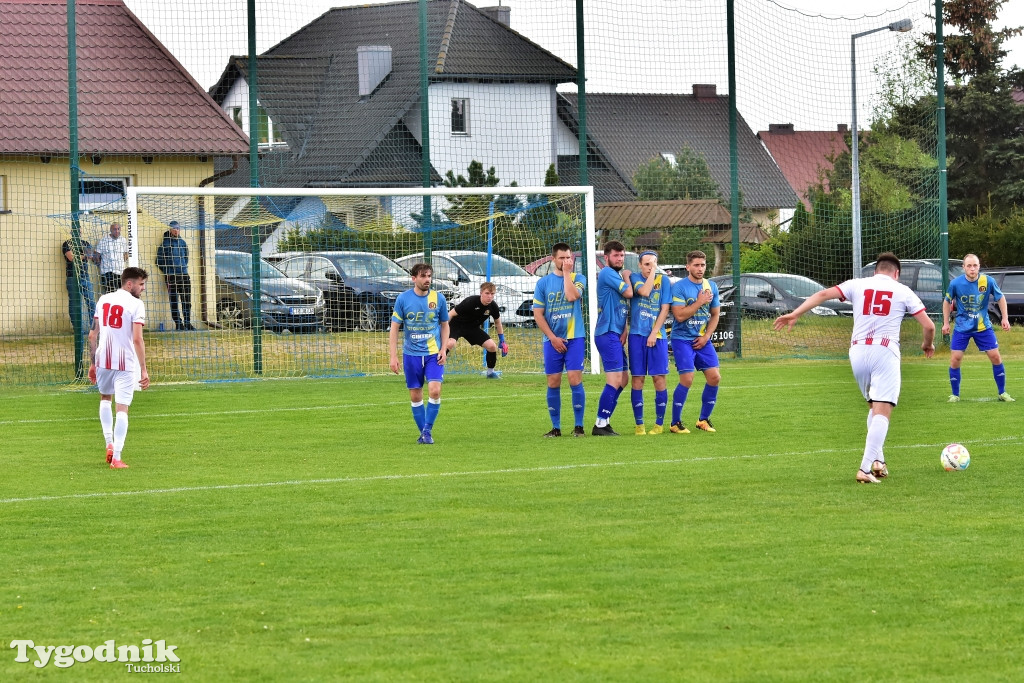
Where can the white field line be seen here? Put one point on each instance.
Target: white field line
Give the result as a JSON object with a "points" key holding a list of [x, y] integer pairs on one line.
{"points": [[475, 473]]}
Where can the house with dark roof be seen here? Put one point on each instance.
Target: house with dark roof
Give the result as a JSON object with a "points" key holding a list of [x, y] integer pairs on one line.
{"points": [[804, 156], [142, 120], [628, 130]]}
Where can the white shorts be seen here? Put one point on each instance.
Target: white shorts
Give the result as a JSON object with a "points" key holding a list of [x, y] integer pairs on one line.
{"points": [[121, 384], [877, 371]]}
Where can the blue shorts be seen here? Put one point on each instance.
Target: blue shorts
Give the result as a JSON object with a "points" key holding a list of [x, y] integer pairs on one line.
{"points": [[613, 355], [572, 359], [420, 370], [984, 340], [647, 360], [689, 359]]}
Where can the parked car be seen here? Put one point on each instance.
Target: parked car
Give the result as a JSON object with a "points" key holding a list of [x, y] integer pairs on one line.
{"points": [[375, 280], [769, 295], [285, 304], [342, 302], [924, 276], [1011, 284], [543, 266], [467, 270]]}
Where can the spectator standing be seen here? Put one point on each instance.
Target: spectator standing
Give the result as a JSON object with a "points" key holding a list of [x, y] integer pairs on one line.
{"points": [[113, 252], [82, 289], [172, 260]]}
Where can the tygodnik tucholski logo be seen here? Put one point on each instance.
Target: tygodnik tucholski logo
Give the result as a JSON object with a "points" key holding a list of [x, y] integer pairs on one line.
{"points": [[155, 657]]}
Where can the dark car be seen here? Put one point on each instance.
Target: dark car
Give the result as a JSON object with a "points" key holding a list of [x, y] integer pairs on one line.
{"points": [[375, 279], [342, 301], [769, 295], [1011, 284], [543, 266], [924, 276], [285, 304]]}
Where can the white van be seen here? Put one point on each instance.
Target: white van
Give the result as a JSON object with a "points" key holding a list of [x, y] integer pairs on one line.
{"points": [[467, 270]]}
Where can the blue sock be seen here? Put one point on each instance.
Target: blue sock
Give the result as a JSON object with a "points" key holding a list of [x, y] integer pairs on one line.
{"points": [[660, 403], [433, 408], [678, 401], [999, 372], [418, 414], [954, 380], [618, 392], [606, 404], [637, 397], [708, 399], [555, 407], [579, 404]]}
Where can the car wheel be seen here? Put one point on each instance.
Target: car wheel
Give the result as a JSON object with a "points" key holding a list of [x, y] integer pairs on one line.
{"points": [[230, 315], [368, 315]]}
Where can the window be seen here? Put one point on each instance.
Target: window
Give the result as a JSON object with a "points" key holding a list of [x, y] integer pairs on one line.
{"points": [[669, 157], [1013, 284], [236, 116], [268, 135], [3, 195], [106, 194], [929, 279], [293, 267], [460, 116]]}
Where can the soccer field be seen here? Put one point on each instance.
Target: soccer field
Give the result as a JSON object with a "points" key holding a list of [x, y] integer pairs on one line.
{"points": [[293, 530]]}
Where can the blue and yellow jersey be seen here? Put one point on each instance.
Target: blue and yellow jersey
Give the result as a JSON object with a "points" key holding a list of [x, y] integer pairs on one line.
{"points": [[971, 302], [684, 293], [644, 310], [565, 318], [612, 307], [421, 318]]}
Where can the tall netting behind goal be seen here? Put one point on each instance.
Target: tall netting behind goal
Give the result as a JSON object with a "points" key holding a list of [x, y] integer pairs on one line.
{"points": [[331, 264]]}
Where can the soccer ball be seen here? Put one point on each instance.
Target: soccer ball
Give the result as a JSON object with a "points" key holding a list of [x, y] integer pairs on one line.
{"points": [[954, 457]]}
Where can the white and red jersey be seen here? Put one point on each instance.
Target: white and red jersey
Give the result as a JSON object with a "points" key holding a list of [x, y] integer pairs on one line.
{"points": [[118, 313], [879, 304]]}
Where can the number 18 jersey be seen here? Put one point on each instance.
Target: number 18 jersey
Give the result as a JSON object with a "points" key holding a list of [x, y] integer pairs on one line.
{"points": [[117, 314], [879, 304]]}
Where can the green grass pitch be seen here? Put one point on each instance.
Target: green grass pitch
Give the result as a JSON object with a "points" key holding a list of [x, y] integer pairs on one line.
{"points": [[293, 530]]}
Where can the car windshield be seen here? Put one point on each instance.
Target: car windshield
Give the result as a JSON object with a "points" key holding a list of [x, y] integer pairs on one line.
{"points": [[368, 265], [797, 285], [476, 264], [238, 265]]}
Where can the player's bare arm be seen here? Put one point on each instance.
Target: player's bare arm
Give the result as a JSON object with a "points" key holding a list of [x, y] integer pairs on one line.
{"points": [[810, 302], [140, 354], [1005, 313], [94, 334], [701, 341], [627, 291], [393, 347], [928, 333], [572, 292], [542, 324], [442, 355], [647, 287], [946, 310], [682, 313], [652, 338]]}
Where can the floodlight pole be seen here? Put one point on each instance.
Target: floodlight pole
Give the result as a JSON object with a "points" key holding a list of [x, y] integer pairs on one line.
{"points": [[903, 25]]}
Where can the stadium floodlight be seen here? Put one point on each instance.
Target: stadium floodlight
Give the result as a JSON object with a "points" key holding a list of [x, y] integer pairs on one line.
{"points": [[901, 26], [504, 232]]}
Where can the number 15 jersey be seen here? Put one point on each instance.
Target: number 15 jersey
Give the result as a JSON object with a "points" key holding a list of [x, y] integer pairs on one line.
{"points": [[879, 304]]}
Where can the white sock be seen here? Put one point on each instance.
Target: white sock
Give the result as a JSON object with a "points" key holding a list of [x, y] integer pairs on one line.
{"points": [[107, 422], [877, 431], [120, 432], [600, 422]]}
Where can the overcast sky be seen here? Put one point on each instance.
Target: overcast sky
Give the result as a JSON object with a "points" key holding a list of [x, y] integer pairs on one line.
{"points": [[793, 66]]}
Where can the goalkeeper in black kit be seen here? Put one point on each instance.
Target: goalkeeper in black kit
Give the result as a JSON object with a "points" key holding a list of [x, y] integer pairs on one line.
{"points": [[466, 320]]}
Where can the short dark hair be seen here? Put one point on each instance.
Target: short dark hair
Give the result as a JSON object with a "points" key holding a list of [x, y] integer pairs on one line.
{"points": [[886, 262], [696, 254], [613, 245], [419, 268], [560, 246], [133, 273]]}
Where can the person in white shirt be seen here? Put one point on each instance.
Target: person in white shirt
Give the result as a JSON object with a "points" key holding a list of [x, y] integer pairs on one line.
{"points": [[118, 356], [879, 304], [113, 253]]}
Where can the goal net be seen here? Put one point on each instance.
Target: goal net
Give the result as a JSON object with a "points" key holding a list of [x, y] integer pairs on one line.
{"points": [[302, 282]]}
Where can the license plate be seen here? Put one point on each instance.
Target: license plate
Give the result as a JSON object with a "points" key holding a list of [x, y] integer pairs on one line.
{"points": [[301, 311]]}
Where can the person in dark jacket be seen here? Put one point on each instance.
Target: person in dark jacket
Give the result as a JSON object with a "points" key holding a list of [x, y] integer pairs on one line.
{"points": [[172, 260]]}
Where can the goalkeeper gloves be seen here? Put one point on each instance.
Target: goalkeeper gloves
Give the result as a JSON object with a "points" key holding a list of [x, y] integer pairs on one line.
{"points": [[502, 345]]}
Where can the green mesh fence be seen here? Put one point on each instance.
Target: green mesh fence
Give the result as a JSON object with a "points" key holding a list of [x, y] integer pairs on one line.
{"points": [[164, 94]]}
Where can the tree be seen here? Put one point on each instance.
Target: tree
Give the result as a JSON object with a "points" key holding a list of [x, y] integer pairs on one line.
{"points": [[688, 178]]}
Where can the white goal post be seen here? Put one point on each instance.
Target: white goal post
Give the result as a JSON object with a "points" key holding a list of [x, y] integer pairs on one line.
{"points": [[211, 209]]}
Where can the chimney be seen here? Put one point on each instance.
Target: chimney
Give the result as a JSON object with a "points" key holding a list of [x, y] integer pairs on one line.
{"points": [[842, 128], [704, 90], [780, 128], [374, 66], [499, 14]]}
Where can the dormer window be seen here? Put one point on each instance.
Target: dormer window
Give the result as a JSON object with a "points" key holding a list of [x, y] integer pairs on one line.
{"points": [[460, 116], [670, 158]]}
